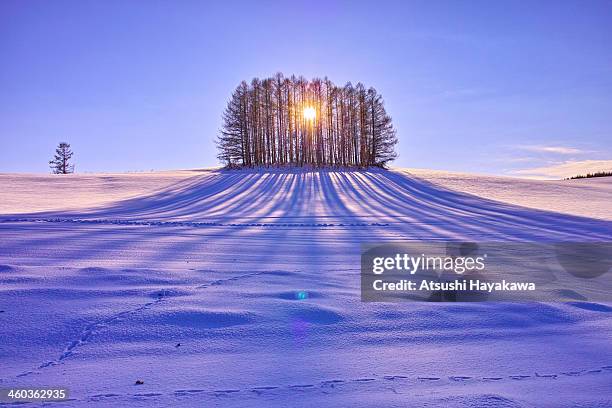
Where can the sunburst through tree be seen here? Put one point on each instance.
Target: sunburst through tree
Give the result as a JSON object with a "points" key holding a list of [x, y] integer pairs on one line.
{"points": [[292, 121]]}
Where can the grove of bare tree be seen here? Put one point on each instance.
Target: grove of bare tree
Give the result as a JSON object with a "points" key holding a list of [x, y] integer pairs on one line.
{"points": [[282, 121]]}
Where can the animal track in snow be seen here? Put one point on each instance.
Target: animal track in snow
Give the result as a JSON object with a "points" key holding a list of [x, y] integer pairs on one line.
{"points": [[196, 224], [360, 382], [92, 328]]}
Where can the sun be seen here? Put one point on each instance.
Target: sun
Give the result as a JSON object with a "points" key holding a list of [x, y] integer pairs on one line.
{"points": [[310, 113]]}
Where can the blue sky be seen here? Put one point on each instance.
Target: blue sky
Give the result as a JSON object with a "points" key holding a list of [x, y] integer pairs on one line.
{"points": [[494, 87]]}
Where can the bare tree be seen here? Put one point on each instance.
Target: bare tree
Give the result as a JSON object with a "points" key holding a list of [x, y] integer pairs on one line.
{"points": [[61, 160]]}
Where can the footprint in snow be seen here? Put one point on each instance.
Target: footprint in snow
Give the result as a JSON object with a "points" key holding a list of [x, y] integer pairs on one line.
{"points": [[553, 376], [394, 377], [301, 386]]}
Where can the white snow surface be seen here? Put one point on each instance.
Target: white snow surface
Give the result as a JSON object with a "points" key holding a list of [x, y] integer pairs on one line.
{"points": [[241, 288]]}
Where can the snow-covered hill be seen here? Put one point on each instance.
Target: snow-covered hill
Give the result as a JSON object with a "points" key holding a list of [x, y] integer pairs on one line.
{"points": [[25, 193], [241, 288]]}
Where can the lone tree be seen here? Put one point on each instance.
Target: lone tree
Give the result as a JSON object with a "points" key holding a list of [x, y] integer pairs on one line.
{"points": [[291, 121], [61, 160]]}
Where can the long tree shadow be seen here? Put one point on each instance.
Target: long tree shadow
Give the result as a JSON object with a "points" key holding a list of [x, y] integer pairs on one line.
{"points": [[408, 205]]}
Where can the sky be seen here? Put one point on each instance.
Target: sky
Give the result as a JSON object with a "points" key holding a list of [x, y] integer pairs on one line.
{"points": [[498, 87]]}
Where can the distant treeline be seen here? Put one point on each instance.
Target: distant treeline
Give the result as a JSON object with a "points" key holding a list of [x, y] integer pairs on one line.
{"points": [[291, 121], [589, 175]]}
